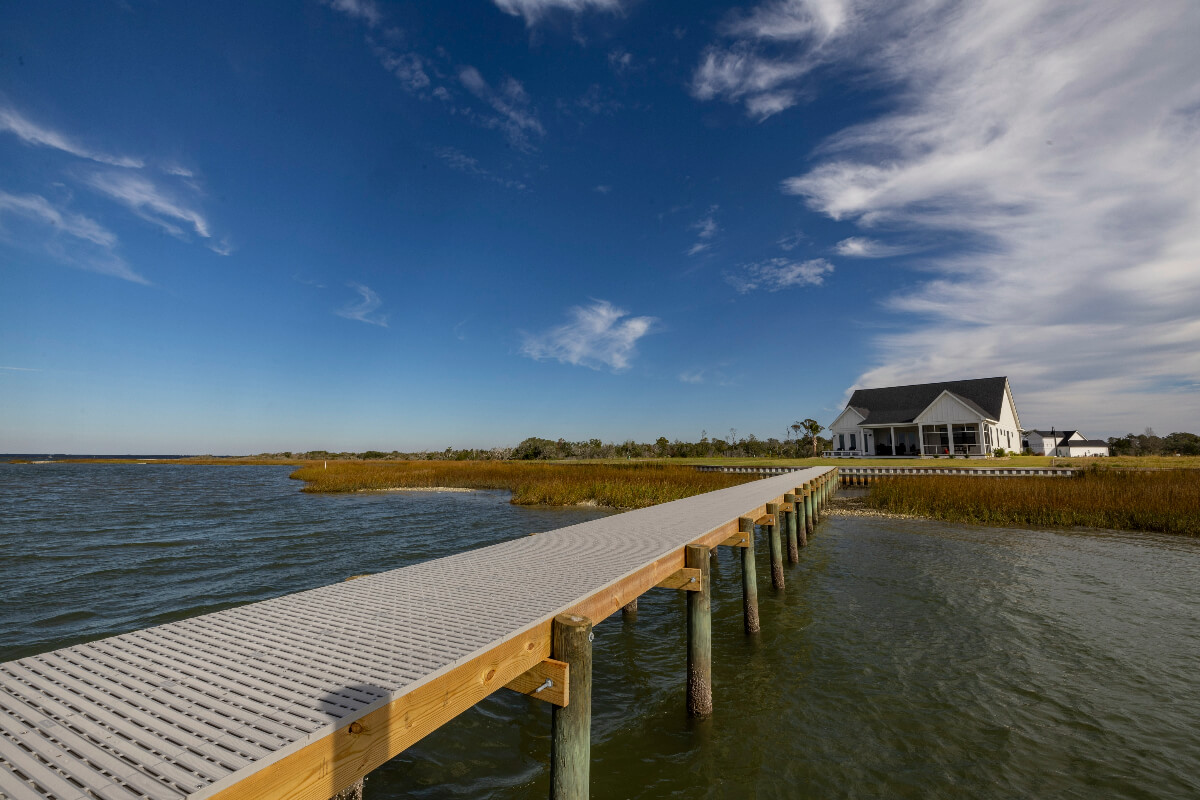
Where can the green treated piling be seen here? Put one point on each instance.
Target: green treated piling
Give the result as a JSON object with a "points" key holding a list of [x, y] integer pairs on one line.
{"points": [[807, 529], [571, 727], [749, 577], [793, 544], [699, 636], [776, 547]]}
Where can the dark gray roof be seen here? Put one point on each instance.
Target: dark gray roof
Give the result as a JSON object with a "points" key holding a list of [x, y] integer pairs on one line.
{"points": [[1086, 443], [901, 404]]}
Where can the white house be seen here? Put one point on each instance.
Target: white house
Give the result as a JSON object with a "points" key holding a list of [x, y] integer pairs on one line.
{"points": [[1063, 443], [965, 418]]}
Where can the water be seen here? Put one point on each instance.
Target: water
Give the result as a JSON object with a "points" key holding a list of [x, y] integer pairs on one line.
{"points": [[906, 658]]}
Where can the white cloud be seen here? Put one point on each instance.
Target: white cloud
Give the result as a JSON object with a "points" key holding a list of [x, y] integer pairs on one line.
{"points": [[863, 247], [461, 162], [706, 228], [68, 237], [363, 309], [32, 133], [22, 369], [150, 202], [741, 73], [775, 274], [513, 114], [602, 189], [533, 10], [1060, 140], [599, 335], [692, 376], [792, 241], [363, 10], [620, 61]]}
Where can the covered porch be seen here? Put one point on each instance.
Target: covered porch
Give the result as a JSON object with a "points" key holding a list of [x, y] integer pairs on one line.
{"points": [[948, 439]]}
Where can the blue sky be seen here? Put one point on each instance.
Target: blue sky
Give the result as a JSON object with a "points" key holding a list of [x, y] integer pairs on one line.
{"points": [[231, 227]]}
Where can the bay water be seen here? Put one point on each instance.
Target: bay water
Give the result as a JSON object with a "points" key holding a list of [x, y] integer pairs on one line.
{"points": [[906, 658]]}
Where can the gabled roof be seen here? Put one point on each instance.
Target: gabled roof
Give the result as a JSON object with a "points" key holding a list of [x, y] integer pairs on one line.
{"points": [[1085, 443], [903, 404]]}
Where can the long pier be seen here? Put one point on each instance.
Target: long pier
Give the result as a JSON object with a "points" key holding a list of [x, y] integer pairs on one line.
{"points": [[301, 696]]}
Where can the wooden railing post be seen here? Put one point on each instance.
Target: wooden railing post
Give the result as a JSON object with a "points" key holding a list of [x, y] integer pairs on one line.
{"points": [[571, 725], [749, 577], [793, 544], [776, 546], [699, 636]]}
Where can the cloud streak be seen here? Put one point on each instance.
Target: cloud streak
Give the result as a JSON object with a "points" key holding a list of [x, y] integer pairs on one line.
{"points": [[1060, 141], [66, 236], [40, 136], [776, 274], [535, 10], [150, 202], [363, 309], [596, 336]]}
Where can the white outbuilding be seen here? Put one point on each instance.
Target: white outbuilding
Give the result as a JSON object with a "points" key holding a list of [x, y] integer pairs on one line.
{"points": [[971, 418], [1065, 444]]}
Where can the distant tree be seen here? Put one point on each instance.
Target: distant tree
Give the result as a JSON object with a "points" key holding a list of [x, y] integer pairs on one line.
{"points": [[660, 445], [811, 427]]}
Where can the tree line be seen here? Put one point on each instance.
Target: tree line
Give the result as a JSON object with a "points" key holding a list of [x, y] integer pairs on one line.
{"points": [[801, 439], [1150, 444]]}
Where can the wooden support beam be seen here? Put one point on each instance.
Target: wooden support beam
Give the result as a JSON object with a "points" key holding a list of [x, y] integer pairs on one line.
{"points": [[699, 638], [788, 506], [548, 680], [571, 725], [689, 579], [325, 767], [737, 540], [766, 520], [749, 577], [776, 547]]}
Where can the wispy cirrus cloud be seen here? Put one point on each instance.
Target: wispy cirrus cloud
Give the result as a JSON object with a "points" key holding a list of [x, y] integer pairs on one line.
{"points": [[596, 336], [776, 274], [32, 133], [535, 10], [68, 237], [155, 204], [864, 247], [363, 10], [1059, 139], [459, 161], [514, 115], [706, 228], [365, 307]]}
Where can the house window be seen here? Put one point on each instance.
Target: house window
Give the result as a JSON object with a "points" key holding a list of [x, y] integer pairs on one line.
{"points": [[853, 446], [841, 441]]}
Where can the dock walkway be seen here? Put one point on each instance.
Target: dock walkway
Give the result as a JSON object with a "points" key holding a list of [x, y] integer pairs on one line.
{"points": [[301, 695]]}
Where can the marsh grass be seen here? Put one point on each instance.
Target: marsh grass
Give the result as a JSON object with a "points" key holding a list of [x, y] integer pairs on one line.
{"points": [[617, 486], [1166, 501]]}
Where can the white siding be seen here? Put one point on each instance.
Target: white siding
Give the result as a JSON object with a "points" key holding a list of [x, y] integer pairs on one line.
{"points": [[947, 409]]}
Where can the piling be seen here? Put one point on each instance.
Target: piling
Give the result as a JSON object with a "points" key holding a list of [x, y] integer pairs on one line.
{"points": [[773, 539], [699, 636], [793, 544], [352, 792], [749, 577], [630, 608], [807, 491], [571, 725]]}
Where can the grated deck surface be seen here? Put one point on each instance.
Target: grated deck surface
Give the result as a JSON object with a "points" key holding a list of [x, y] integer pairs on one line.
{"points": [[186, 709]]}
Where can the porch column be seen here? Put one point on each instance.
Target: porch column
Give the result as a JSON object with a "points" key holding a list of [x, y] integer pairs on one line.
{"points": [[920, 440], [892, 433]]}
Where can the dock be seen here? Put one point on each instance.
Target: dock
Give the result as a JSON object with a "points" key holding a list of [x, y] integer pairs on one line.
{"points": [[301, 696]]}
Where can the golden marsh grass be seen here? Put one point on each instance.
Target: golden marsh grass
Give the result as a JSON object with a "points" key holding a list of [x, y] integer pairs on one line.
{"points": [[617, 486], [1166, 501]]}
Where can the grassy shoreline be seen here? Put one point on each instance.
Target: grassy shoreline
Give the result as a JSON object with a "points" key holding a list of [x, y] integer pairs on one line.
{"points": [[531, 483], [1166, 501]]}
